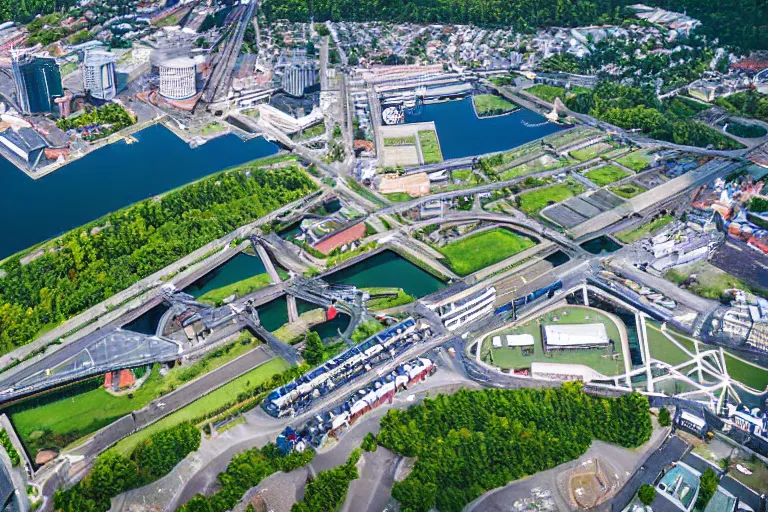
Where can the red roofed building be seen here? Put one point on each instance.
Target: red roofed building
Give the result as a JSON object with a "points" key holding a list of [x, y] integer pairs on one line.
{"points": [[340, 238], [126, 379], [108, 380]]}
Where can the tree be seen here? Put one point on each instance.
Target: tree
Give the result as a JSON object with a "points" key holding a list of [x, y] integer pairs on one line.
{"points": [[665, 418], [707, 488], [369, 443], [646, 494], [313, 349]]}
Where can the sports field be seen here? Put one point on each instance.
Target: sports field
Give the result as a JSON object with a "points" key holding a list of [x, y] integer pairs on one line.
{"points": [[478, 251], [601, 360]]}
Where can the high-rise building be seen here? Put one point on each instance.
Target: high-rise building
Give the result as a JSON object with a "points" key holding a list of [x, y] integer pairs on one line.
{"points": [[99, 74], [299, 75], [177, 78], [38, 83]]}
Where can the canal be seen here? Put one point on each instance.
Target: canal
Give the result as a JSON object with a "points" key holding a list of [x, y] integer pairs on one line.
{"points": [[462, 133], [110, 178], [388, 269], [601, 245], [235, 270]]}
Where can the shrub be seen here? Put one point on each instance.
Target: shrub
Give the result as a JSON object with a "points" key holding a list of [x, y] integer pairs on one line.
{"points": [[369, 443], [665, 418], [646, 494]]}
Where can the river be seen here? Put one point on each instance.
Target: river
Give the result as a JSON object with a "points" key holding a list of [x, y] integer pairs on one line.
{"points": [[107, 179], [463, 134]]}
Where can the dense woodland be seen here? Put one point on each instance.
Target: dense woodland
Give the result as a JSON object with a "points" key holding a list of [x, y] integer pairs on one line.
{"points": [[25, 10], [104, 257], [639, 108], [474, 441], [246, 470], [742, 23], [327, 492], [114, 473]]}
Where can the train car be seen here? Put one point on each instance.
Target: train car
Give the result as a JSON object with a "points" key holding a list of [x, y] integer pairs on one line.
{"points": [[298, 394]]}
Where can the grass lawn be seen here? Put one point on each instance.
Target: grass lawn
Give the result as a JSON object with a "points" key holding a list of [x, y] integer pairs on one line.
{"points": [[636, 160], [430, 148], [547, 93], [61, 417], [361, 190], [239, 288], [599, 360], [603, 176], [710, 281], [208, 403], [536, 200], [461, 174], [212, 128], [663, 349], [628, 190], [399, 141], [758, 480], [480, 250], [401, 299], [590, 152], [748, 374], [398, 197], [543, 163], [632, 235], [492, 105], [313, 131]]}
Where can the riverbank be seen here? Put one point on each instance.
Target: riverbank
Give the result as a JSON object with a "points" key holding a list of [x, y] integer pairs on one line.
{"points": [[114, 177]]}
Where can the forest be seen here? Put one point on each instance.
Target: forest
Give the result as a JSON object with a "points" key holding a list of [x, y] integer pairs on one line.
{"points": [[92, 263], [244, 471], [114, 473], [327, 492], [474, 441], [638, 108], [742, 23]]}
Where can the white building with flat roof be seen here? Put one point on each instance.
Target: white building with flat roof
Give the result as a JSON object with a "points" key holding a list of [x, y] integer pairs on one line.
{"points": [[99, 74], [568, 336]]}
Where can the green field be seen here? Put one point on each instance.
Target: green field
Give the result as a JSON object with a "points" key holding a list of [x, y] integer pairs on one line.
{"points": [[399, 141], [534, 201], [710, 282], [240, 288], [401, 299], [749, 375], [590, 152], [628, 190], [61, 417], [548, 93], [462, 174], [663, 349], [398, 197], [313, 131], [606, 175], [480, 250], [632, 235], [492, 105], [430, 148], [208, 403], [212, 128], [599, 360], [636, 160]]}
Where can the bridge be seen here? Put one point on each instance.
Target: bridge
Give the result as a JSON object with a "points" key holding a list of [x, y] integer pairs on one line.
{"points": [[109, 351]]}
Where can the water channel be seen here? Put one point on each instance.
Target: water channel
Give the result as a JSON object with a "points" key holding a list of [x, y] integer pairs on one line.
{"points": [[236, 269], [388, 269], [600, 245], [107, 179], [463, 134]]}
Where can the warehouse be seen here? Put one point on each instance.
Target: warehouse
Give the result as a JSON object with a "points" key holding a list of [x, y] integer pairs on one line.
{"points": [[570, 336]]}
